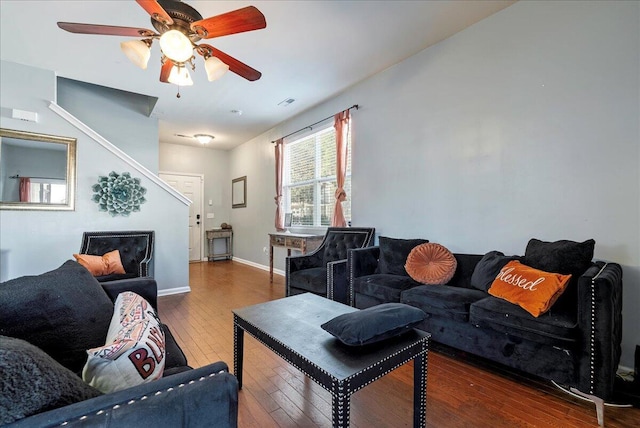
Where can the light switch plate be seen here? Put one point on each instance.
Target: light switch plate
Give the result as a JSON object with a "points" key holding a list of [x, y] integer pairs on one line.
{"points": [[210, 215]]}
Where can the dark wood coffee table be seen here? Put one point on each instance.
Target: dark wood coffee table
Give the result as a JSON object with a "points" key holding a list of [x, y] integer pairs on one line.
{"points": [[290, 327]]}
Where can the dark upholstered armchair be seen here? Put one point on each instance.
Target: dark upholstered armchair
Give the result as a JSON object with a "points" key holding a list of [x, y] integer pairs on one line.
{"points": [[324, 271], [136, 250]]}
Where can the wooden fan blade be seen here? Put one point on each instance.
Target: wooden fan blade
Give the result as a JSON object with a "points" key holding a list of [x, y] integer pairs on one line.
{"points": [[156, 11], [238, 67], [246, 19], [107, 30], [165, 71]]}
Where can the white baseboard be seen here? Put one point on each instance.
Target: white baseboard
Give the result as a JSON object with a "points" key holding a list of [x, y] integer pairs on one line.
{"points": [[177, 290], [259, 266], [625, 372]]}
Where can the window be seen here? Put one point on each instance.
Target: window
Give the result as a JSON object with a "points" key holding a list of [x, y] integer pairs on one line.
{"points": [[50, 191], [309, 179]]}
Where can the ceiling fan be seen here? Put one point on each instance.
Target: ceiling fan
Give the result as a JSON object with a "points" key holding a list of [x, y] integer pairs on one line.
{"points": [[179, 26]]}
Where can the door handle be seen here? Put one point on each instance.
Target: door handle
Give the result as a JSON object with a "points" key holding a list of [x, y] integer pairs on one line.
{"points": [[197, 216]]}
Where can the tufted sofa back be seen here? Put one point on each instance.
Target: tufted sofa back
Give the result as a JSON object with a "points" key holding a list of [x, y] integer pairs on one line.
{"points": [[136, 248], [340, 239]]}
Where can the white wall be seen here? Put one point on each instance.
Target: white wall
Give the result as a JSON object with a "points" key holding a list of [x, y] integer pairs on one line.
{"points": [[523, 125], [32, 242]]}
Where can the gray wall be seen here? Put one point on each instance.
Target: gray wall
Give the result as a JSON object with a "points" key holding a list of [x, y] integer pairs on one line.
{"points": [[523, 125], [121, 117], [214, 165], [32, 242]]}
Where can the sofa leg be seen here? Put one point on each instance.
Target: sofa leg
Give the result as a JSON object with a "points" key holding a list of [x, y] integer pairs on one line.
{"points": [[599, 402]]}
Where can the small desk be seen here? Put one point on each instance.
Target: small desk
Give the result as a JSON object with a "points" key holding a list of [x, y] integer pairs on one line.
{"points": [[295, 241], [290, 327], [227, 235]]}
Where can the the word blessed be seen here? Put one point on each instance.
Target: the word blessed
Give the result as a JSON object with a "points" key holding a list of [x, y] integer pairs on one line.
{"points": [[518, 280]]}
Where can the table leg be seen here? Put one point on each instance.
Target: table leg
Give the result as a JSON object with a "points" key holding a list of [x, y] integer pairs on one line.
{"points": [[238, 351], [341, 403], [270, 263], [420, 391]]}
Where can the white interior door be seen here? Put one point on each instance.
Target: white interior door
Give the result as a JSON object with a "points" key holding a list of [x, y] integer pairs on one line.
{"points": [[191, 187]]}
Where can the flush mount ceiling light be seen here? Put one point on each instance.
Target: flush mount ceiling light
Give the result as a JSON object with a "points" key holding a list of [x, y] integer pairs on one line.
{"points": [[179, 26], [204, 138]]}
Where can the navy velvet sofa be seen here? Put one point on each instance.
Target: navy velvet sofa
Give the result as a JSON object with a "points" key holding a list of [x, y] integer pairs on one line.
{"points": [[576, 344], [66, 311]]}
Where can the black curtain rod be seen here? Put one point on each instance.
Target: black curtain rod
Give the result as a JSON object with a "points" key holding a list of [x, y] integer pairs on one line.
{"points": [[15, 177], [310, 127]]}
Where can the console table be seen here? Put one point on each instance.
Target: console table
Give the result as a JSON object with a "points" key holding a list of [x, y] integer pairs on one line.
{"points": [[227, 235], [295, 241]]}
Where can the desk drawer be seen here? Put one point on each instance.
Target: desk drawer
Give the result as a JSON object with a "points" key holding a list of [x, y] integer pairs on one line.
{"points": [[278, 241], [294, 242], [212, 234]]}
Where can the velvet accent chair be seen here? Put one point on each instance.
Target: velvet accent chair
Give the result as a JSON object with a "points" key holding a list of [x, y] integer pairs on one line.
{"points": [[324, 271], [135, 247]]}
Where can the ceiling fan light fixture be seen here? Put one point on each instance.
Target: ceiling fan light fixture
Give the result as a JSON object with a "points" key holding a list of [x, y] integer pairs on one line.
{"points": [[137, 51], [176, 46], [180, 76], [215, 68], [204, 138]]}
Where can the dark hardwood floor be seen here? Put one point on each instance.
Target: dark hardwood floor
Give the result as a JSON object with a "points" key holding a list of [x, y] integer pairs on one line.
{"points": [[460, 393]]}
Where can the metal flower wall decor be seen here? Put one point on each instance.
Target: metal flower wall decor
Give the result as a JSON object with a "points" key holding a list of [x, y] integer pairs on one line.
{"points": [[119, 194]]}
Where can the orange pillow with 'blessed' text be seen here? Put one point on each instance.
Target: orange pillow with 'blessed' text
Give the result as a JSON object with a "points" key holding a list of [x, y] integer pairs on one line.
{"points": [[533, 290], [101, 265]]}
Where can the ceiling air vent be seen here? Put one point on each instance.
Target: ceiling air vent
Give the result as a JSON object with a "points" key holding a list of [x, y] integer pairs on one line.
{"points": [[286, 102]]}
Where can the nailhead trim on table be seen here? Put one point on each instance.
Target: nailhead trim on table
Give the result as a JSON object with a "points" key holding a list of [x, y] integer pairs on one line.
{"points": [[348, 379]]}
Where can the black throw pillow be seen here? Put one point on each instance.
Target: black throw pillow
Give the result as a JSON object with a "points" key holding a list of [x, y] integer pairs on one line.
{"points": [[32, 382], [565, 257], [394, 253], [488, 268], [64, 312], [374, 324]]}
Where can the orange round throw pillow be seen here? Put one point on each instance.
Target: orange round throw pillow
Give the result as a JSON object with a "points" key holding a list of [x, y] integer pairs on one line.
{"points": [[431, 264]]}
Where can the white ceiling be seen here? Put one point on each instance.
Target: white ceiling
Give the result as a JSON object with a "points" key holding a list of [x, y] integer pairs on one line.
{"points": [[310, 51]]}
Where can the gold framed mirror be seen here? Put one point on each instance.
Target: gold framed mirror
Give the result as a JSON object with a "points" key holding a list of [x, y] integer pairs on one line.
{"points": [[37, 171]]}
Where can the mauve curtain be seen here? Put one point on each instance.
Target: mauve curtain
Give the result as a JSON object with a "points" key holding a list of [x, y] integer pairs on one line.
{"points": [[278, 199], [25, 189], [341, 124]]}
